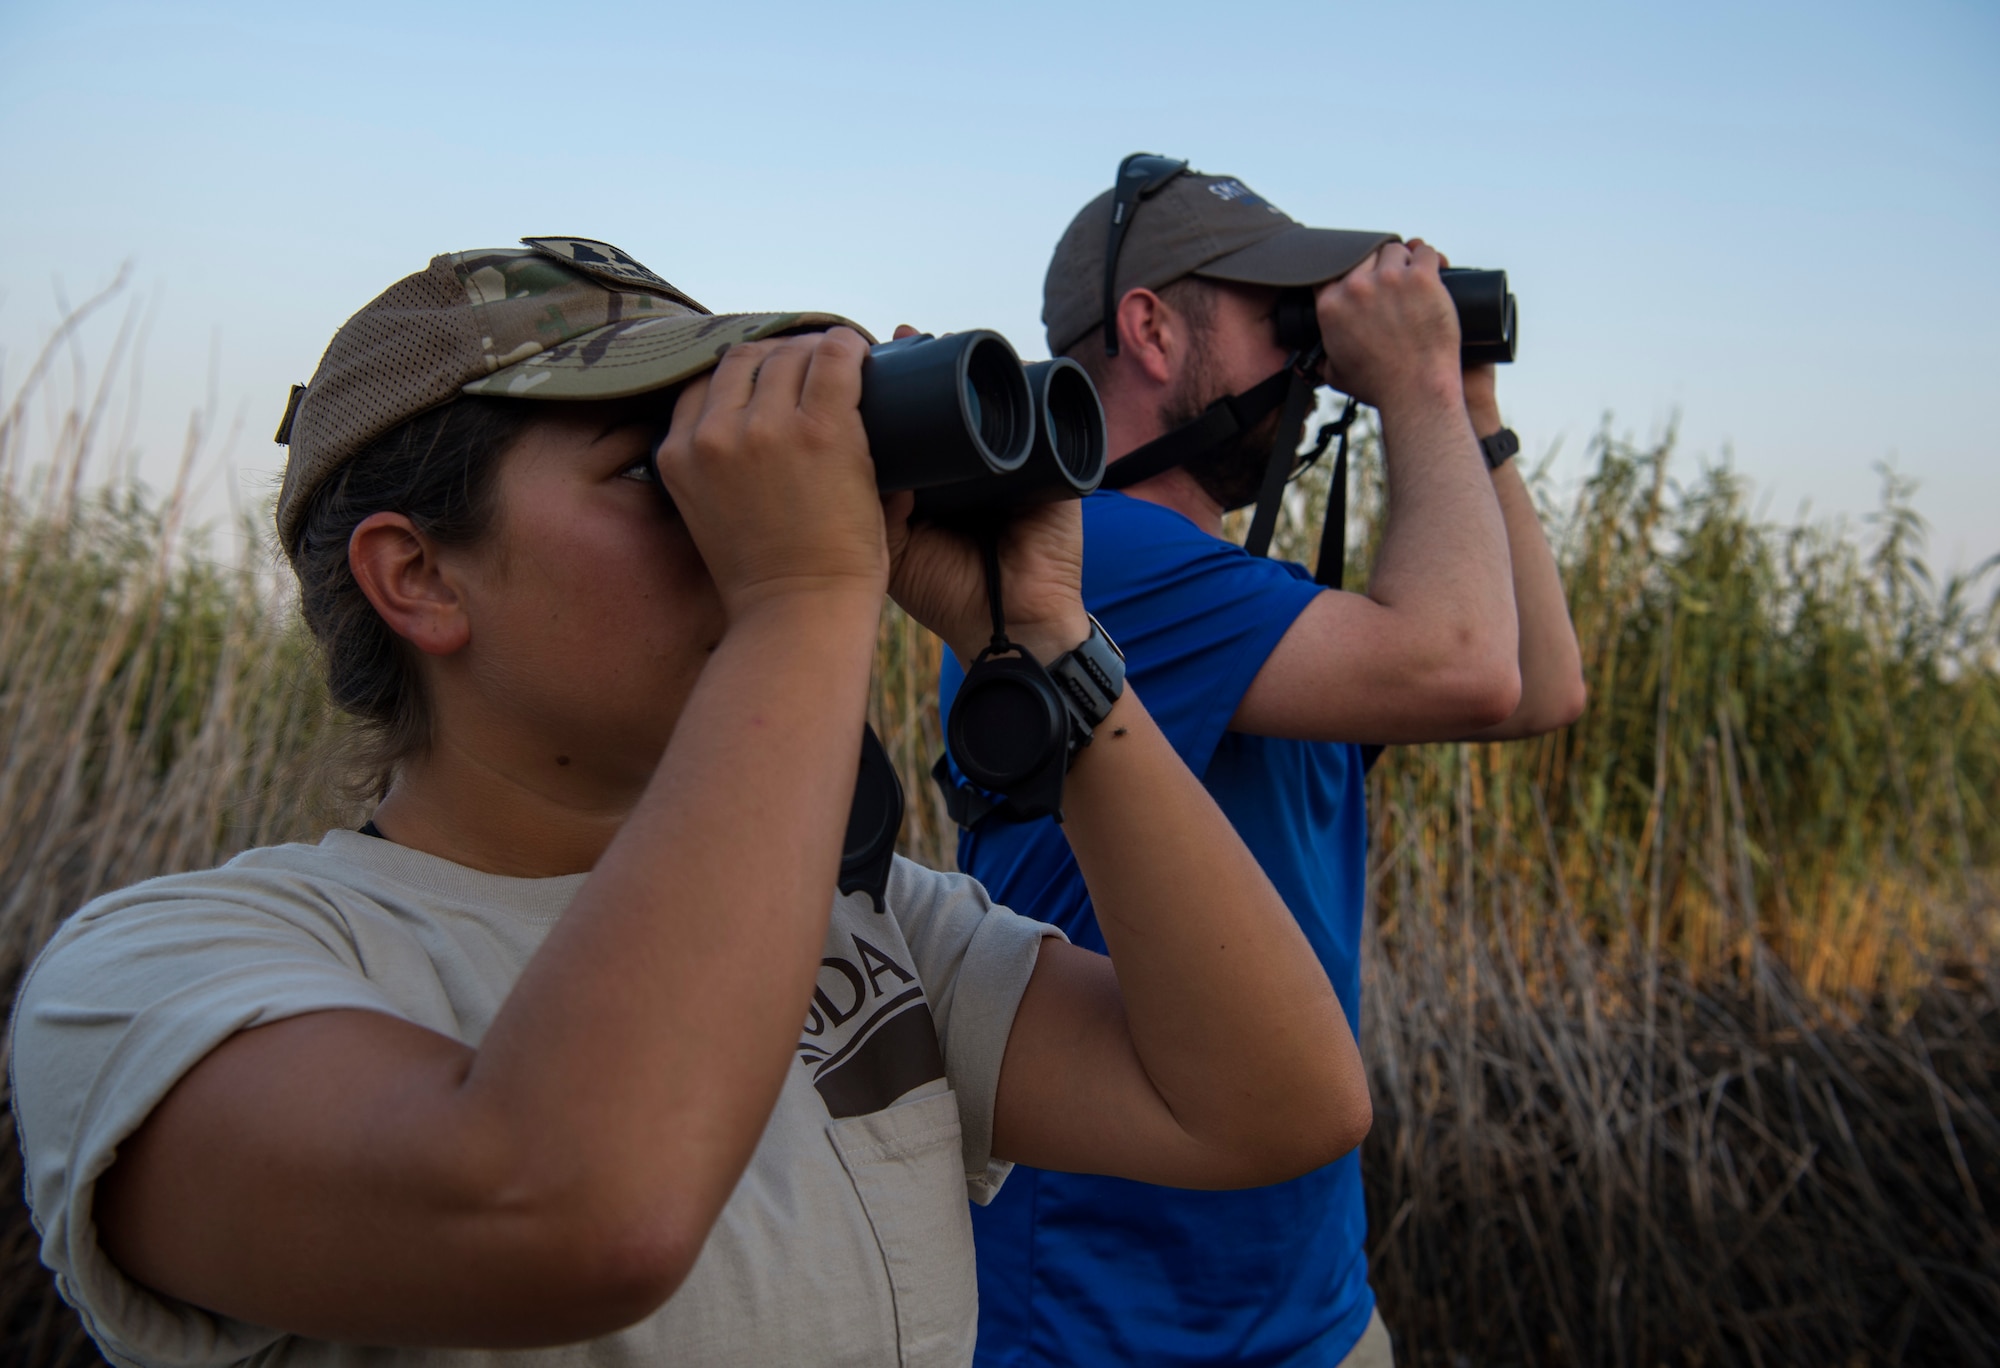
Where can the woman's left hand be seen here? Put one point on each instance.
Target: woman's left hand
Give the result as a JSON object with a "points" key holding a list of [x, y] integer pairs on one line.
{"points": [[938, 575]]}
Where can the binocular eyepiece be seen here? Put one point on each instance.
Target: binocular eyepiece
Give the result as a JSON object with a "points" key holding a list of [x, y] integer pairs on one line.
{"points": [[1486, 316], [975, 433]]}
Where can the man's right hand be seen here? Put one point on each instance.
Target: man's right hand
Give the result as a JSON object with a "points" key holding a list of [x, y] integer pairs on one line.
{"points": [[1390, 329]]}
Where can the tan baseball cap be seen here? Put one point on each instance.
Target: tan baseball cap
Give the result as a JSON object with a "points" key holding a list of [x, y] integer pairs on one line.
{"points": [[1196, 224], [557, 318]]}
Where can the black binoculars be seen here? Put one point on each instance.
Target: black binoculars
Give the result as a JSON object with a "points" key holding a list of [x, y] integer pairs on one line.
{"points": [[975, 433], [1486, 316], [979, 437]]}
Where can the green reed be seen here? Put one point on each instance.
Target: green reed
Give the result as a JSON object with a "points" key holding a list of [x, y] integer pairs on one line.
{"points": [[1791, 747]]}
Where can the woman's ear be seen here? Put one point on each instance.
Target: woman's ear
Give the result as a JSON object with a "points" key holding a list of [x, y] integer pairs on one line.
{"points": [[398, 568]]}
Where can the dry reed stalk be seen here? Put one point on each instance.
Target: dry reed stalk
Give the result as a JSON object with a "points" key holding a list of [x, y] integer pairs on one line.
{"points": [[1595, 1161], [158, 712]]}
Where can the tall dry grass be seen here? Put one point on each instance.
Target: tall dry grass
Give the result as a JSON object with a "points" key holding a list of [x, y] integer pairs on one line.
{"points": [[1590, 1153], [158, 710], [157, 705], [1680, 1023]]}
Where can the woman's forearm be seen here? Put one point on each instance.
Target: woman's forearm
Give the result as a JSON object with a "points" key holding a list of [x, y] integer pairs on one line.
{"points": [[643, 1048], [1229, 1011]]}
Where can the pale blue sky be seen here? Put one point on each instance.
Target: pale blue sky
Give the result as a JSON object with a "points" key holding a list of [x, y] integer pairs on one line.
{"points": [[1781, 220]]}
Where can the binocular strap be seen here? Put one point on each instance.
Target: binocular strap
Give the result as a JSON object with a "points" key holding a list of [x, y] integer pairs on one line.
{"points": [[1284, 456], [1221, 421], [1333, 532], [1332, 566]]}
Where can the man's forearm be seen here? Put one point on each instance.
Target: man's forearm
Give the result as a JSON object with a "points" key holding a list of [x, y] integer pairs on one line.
{"points": [[1430, 651], [1552, 688], [1444, 547]]}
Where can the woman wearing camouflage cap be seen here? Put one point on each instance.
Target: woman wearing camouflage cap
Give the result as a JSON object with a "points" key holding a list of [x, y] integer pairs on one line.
{"points": [[521, 1063]]}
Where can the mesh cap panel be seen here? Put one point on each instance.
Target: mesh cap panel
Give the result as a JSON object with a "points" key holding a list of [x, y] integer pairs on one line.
{"points": [[409, 350]]}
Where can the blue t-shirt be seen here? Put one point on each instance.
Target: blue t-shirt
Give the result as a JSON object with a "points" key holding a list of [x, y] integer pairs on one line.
{"points": [[1076, 1269]]}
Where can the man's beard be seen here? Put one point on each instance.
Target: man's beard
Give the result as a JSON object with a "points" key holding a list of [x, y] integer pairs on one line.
{"points": [[1232, 473]]}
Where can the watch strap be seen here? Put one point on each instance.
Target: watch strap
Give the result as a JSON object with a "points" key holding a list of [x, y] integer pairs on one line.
{"points": [[1091, 677], [1499, 448]]}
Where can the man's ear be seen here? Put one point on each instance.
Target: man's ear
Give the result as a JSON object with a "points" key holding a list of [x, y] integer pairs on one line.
{"points": [[1151, 334], [399, 570]]}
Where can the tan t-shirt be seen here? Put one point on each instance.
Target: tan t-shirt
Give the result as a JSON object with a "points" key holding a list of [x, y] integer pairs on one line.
{"points": [[847, 1240]]}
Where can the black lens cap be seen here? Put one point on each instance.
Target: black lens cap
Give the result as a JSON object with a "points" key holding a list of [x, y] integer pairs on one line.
{"points": [[1008, 723], [873, 821]]}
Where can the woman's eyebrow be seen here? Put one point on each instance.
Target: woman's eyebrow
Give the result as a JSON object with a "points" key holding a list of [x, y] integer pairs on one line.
{"points": [[630, 420], [653, 417]]}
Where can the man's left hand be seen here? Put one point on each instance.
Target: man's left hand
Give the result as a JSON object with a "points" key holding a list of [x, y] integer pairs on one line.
{"points": [[1481, 399]]}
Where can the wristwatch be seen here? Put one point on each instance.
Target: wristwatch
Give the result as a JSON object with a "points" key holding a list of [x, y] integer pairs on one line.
{"points": [[1092, 680], [1499, 448]]}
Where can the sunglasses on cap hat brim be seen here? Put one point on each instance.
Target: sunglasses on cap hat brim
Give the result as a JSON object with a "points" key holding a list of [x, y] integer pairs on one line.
{"points": [[1140, 176]]}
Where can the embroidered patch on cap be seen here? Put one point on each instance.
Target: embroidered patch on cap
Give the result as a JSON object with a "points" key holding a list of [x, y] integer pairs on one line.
{"points": [[605, 263], [1234, 191]]}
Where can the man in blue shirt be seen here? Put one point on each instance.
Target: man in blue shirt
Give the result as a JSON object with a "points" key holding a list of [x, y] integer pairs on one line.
{"points": [[1269, 686]]}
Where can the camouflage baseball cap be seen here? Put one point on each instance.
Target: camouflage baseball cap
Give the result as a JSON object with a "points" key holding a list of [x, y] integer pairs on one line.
{"points": [[558, 318], [1196, 224]]}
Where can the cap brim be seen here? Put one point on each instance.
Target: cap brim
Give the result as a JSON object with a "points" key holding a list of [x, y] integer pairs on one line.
{"points": [[639, 355], [1297, 256]]}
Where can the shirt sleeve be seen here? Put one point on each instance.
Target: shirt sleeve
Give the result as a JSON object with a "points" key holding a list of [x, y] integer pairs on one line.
{"points": [[130, 995], [975, 958], [1197, 617]]}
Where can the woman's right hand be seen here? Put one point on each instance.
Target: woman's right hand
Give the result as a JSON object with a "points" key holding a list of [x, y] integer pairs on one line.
{"points": [[768, 464]]}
